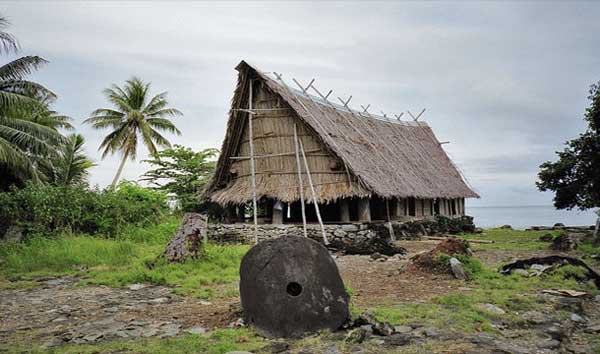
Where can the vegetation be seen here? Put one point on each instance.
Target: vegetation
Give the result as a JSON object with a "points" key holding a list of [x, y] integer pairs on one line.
{"points": [[217, 342], [574, 178], [133, 257], [23, 141], [53, 210], [184, 173], [135, 116], [71, 165]]}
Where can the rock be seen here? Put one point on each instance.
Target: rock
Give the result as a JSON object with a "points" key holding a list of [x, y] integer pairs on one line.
{"points": [[290, 286], [546, 237], [170, 330], [398, 339], [597, 298], [506, 227], [196, 330], [520, 271], [403, 329], [457, 269], [509, 348], [377, 255], [277, 347], [535, 317], [564, 242], [548, 344], [430, 332], [238, 352], [13, 234], [593, 329], [332, 349], [136, 286], [356, 335], [576, 318], [383, 329], [491, 308], [53, 342]]}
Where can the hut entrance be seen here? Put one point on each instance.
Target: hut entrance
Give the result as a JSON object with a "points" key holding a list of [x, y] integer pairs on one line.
{"points": [[436, 207]]}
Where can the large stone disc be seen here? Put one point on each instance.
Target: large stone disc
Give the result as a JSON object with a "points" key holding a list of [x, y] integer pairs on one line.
{"points": [[290, 286]]}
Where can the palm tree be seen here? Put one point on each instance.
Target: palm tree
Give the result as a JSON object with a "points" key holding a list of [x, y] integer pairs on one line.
{"points": [[22, 141], [134, 116], [72, 165]]}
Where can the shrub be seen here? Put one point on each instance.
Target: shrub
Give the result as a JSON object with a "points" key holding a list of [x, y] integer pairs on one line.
{"points": [[49, 210]]}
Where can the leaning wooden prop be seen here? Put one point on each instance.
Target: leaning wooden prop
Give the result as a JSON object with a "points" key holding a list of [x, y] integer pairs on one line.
{"points": [[291, 286]]}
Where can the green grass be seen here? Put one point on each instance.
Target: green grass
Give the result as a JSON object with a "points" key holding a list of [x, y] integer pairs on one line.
{"points": [[131, 258], [513, 293], [217, 342]]}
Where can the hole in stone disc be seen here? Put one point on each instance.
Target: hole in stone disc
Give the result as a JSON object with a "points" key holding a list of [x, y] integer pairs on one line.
{"points": [[294, 289]]}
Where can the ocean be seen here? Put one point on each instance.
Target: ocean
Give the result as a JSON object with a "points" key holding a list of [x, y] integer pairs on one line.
{"points": [[521, 217]]}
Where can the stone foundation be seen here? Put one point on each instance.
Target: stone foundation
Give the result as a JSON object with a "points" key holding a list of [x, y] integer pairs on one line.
{"points": [[244, 233], [342, 233]]}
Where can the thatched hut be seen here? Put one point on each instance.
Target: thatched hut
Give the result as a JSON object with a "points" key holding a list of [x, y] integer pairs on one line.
{"points": [[362, 167]]}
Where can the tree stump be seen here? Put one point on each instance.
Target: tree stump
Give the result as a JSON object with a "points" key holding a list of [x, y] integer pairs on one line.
{"points": [[187, 241], [290, 286]]}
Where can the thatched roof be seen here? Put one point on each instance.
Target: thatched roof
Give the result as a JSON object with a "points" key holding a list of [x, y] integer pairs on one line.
{"points": [[387, 158]]}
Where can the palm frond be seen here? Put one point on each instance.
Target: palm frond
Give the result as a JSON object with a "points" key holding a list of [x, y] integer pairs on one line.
{"points": [[21, 67], [8, 43]]}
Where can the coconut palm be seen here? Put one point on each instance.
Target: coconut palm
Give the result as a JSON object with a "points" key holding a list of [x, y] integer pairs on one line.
{"points": [[133, 117], [22, 141], [72, 165]]}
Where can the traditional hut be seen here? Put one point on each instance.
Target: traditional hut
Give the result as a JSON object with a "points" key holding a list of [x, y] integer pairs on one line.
{"points": [[358, 166]]}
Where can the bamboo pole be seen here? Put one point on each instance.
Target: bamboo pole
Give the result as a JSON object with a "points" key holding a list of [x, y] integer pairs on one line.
{"points": [[252, 166], [300, 184], [314, 195]]}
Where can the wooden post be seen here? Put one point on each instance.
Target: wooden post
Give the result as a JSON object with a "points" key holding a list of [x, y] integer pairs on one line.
{"points": [[206, 230], [314, 195], [364, 210], [277, 216], [300, 184], [597, 231], [344, 210], [252, 166], [389, 221]]}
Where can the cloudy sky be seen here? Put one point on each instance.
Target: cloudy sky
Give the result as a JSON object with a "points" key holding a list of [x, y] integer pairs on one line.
{"points": [[505, 83]]}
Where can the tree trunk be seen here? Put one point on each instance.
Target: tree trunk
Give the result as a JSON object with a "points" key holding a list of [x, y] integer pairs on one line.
{"points": [[116, 179], [187, 240]]}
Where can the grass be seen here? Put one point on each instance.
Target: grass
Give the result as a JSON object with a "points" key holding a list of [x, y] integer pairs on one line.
{"points": [[513, 293], [131, 258], [217, 342]]}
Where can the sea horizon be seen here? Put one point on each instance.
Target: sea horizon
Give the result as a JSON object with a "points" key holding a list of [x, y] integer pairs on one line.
{"points": [[525, 216]]}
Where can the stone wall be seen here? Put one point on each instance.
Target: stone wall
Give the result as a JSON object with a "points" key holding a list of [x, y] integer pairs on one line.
{"points": [[244, 233], [355, 233]]}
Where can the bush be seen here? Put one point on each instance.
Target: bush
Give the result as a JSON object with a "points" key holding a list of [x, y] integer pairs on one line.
{"points": [[49, 210]]}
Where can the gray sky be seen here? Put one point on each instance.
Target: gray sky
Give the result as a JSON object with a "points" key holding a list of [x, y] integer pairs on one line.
{"points": [[506, 83]]}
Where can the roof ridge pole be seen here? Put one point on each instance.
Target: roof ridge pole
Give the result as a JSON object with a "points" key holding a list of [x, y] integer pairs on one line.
{"points": [[314, 195], [252, 165], [300, 184]]}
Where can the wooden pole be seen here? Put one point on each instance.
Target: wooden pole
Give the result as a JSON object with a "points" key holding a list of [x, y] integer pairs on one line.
{"points": [[206, 230], [300, 184], [252, 166], [389, 221], [314, 195]]}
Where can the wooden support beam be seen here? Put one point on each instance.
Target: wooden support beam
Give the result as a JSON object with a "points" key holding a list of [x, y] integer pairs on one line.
{"points": [[277, 216], [364, 210], [252, 166], [314, 194], [389, 221], [300, 184], [344, 210]]}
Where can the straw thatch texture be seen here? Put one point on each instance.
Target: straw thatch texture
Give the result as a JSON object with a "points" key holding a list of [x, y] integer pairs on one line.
{"points": [[374, 156]]}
